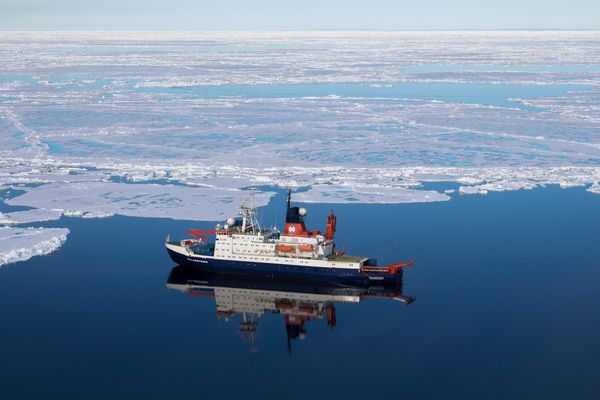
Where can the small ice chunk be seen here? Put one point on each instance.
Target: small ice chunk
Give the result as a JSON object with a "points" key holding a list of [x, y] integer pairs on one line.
{"points": [[472, 190], [469, 180], [84, 214], [570, 184], [74, 214], [97, 215], [595, 188]]}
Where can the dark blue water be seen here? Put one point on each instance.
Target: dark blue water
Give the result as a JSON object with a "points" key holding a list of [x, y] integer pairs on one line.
{"points": [[506, 289]]}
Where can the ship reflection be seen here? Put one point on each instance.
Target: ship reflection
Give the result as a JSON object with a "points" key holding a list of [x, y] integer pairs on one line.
{"points": [[298, 302]]}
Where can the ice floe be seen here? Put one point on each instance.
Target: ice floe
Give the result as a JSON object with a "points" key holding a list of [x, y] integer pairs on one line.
{"points": [[367, 194], [20, 244], [595, 188], [99, 199], [472, 190], [87, 214], [28, 216]]}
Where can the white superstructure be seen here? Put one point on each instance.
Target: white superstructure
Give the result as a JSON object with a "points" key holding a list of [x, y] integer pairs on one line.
{"points": [[242, 239]]}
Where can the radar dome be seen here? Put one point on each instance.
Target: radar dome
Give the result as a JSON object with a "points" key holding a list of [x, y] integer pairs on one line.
{"points": [[230, 221], [302, 211]]}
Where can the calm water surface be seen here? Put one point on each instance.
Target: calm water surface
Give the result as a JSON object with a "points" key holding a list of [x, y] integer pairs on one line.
{"points": [[506, 306]]}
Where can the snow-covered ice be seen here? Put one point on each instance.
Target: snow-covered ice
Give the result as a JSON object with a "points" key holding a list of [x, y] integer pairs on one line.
{"points": [[87, 214], [99, 199], [20, 244], [28, 216], [212, 58], [595, 188], [193, 120], [367, 194]]}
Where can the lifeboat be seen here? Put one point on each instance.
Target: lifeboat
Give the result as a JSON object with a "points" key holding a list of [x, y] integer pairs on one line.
{"points": [[284, 248], [305, 247]]}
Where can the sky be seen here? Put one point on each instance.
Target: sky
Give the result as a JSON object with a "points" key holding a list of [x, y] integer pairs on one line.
{"points": [[201, 15]]}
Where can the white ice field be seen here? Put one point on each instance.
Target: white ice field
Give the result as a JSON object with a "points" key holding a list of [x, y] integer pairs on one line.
{"points": [[181, 125]]}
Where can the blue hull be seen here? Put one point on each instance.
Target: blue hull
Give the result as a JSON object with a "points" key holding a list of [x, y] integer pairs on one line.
{"points": [[285, 271]]}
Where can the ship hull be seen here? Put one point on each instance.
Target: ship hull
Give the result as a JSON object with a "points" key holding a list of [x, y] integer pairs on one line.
{"points": [[272, 270]]}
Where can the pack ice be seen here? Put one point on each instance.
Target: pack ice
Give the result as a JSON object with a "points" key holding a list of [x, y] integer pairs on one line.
{"points": [[182, 125]]}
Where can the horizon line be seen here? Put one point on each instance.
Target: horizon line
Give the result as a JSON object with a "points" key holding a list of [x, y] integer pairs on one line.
{"points": [[316, 30]]}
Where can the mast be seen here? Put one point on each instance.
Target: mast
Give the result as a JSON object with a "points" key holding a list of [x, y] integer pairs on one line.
{"points": [[248, 214]]}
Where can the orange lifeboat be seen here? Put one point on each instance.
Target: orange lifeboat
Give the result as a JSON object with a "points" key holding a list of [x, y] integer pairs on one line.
{"points": [[284, 248], [305, 247]]}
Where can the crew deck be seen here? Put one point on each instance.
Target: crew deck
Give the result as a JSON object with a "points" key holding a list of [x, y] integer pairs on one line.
{"points": [[344, 258]]}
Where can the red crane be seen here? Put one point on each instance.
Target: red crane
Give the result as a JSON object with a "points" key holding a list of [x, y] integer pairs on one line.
{"points": [[198, 233]]}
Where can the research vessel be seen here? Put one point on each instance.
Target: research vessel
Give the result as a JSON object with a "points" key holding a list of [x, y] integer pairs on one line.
{"points": [[241, 246]]}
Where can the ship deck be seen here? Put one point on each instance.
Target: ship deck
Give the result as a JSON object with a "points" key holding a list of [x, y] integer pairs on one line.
{"points": [[344, 258]]}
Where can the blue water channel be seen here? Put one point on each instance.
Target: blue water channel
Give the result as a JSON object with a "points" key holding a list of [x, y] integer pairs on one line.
{"points": [[471, 93], [486, 94]]}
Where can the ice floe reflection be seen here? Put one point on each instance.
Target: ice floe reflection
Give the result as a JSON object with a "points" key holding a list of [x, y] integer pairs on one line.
{"points": [[247, 299]]}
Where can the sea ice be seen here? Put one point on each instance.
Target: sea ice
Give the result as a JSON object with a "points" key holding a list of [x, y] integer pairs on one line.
{"points": [[20, 244], [367, 194], [472, 190], [87, 214], [28, 216], [183, 120], [213, 58], [595, 188], [138, 200]]}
